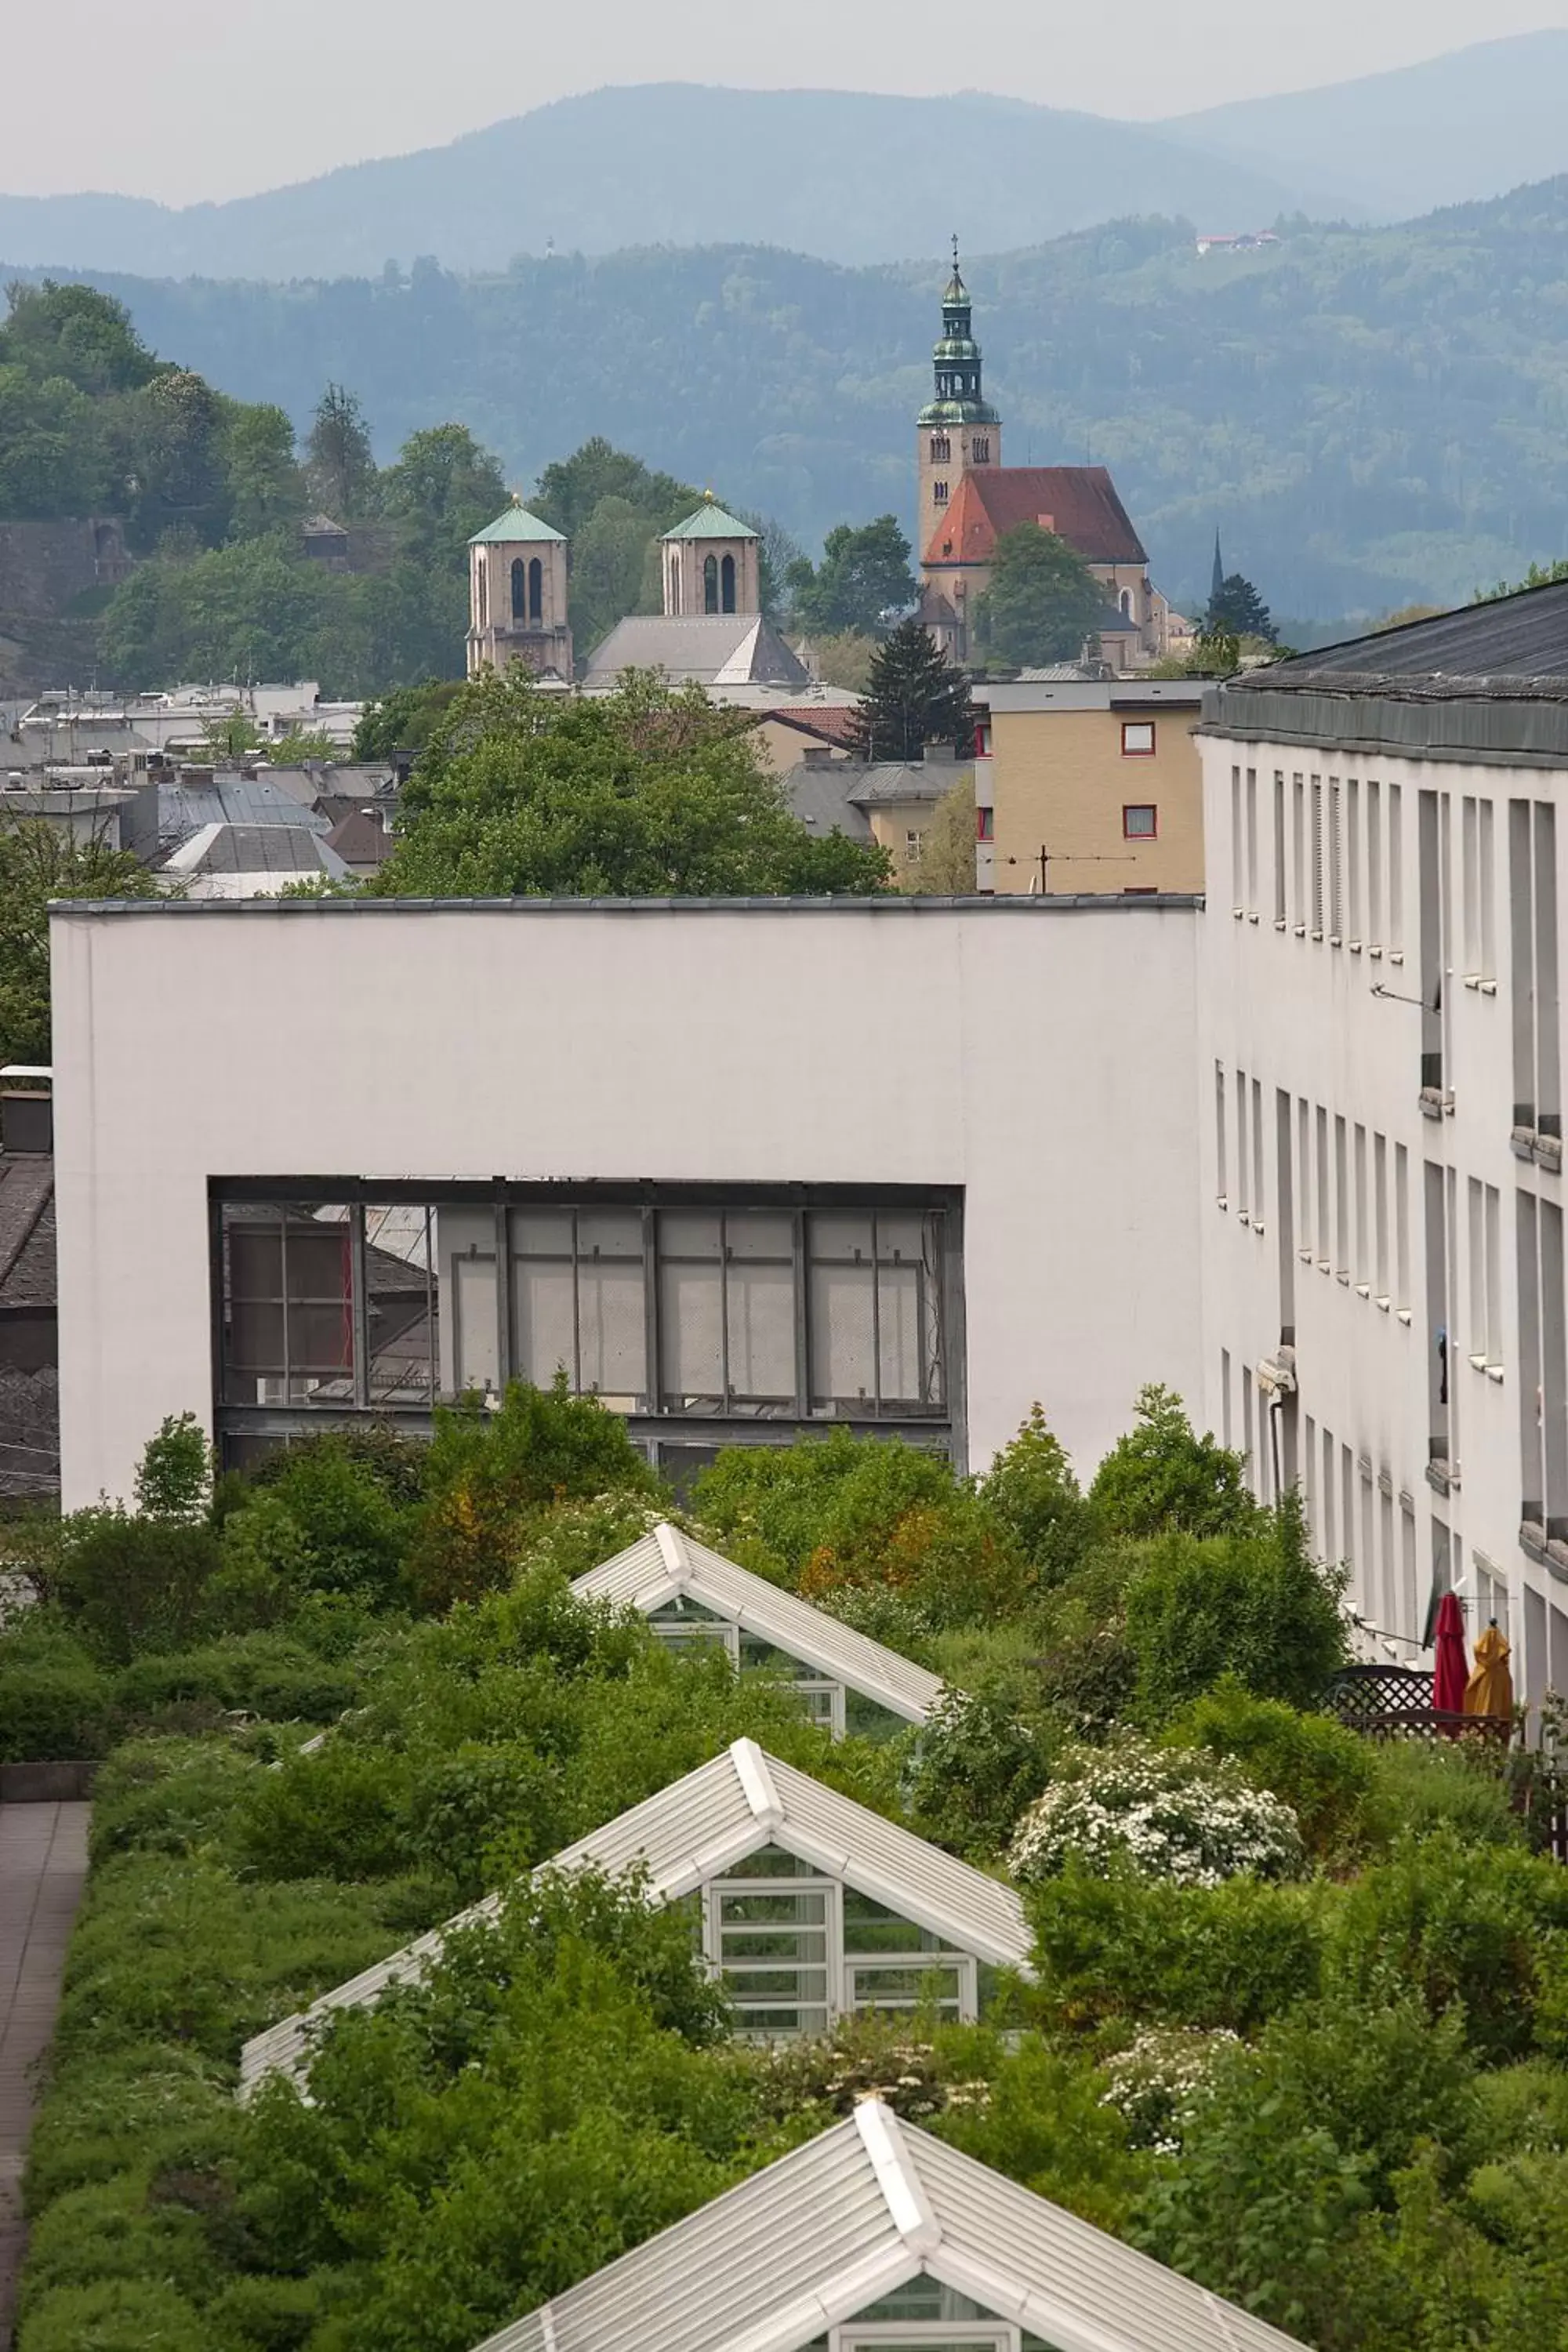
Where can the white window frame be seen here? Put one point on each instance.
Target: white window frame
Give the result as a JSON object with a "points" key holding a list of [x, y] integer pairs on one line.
{"points": [[841, 1965], [971, 2335], [726, 1634]]}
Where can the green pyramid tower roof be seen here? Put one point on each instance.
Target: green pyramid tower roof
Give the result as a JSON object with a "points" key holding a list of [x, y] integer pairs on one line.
{"points": [[710, 521], [515, 527]]}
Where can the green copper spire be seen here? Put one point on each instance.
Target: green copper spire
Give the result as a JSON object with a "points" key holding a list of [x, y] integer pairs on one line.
{"points": [[959, 399]]}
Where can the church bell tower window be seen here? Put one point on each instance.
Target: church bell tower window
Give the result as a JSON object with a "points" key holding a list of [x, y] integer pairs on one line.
{"points": [[536, 590], [979, 450], [941, 448], [519, 589], [710, 585], [939, 494], [727, 582]]}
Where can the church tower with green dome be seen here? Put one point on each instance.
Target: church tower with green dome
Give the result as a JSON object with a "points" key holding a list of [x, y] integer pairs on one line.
{"points": [[959, 429]]}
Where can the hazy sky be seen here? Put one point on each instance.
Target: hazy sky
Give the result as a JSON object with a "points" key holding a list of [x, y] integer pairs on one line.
{"points": [[183, 100]]}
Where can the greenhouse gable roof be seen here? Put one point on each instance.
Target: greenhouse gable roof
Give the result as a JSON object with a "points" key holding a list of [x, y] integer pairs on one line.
{"points": [[697, 1828], [667, 1564], [872, 2203]]}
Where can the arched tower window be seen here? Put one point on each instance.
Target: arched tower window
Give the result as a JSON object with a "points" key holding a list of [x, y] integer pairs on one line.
{"points": [[941, 448], [519, 589], [675, 584], [481, 593], [536, 590], [727, 582], [939, 494], [1127, 603], [710, 585], [979, 450]]}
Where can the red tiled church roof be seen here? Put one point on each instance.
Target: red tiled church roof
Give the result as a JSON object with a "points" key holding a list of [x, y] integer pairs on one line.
{"points": [[834, 722], [1078, 502]]}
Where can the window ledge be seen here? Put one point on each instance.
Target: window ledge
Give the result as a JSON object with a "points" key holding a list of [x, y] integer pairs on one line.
{"points": [[1404, 1315], [1305, 1256], [1299, 929], [1375, 953], [1341, 1274], [1355, 947], [1548, 1153], [1243, 1217], [1220, 1201], [1279, 922], [1257, 1226], [1472, 980], [1489, 988], [1364, 1290], [1477, 1363], [1238, 913], [1431, 1101], [1443, 1475], [1522, 1142], [1384, 1305], [1324, 1266], [1532, 1539], [1494, 1372], [1252, 919], [1396, 955]]}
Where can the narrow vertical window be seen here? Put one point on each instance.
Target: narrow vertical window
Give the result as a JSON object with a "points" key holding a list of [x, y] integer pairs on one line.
{"points": [[1494, 1278], [1469, 890], [1476, 1267], [1341, 1203], [1362, 1237], [727, 584], [1395, 871], [519, 589], [1439, 1331], [1252, 841], [1532, 1469], [1347, 1514], [1336, 864], [482, 591], [1235, 842], [1402, 1230], [1243, 1163], [1380, 1218], [1259, 1196], [1279, 915], [1485, 890], [1330, 1547], [1225, 1398], [1317, 858], [1285, 1211], [1553, 1371], [1324, 1191], [1374, 866], [536, 591], [1304, 1179], [1352, 862], [710, 583], [1298, 850], [1548, 1065], [1430, 942], [1521, 962], [1221, 1180]]}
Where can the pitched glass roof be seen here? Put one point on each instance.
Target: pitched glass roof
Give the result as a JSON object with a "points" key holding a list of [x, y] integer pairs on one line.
{"points": [[843, 2221], [665, 1564], [698, 1827]]}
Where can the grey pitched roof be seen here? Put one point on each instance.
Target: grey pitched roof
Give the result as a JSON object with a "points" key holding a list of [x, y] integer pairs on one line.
{"points": [[872, 2203], [1515, 643], [870, 783], [703, 1824], [284, 849], [667, 1562], [26, 1229], [704, 648]]}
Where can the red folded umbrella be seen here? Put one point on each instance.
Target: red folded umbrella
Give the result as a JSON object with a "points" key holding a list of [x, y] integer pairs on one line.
{"points": [[1450, 1672]]}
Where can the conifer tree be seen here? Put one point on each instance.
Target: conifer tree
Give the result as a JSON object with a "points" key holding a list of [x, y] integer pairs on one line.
{"points": [[915, 696]]}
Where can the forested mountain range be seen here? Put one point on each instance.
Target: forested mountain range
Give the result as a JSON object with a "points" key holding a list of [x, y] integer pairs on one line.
{"points": [[846, 175], [1370, 415]]}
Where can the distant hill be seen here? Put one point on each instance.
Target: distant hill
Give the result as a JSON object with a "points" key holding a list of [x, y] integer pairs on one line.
{"points": [[851, 177], [1373, 416], [1472, 124]]}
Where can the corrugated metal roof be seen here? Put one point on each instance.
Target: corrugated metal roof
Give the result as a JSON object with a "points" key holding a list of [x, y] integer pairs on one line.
{"points": [[700, 1826], [812, 2240], [1510, 639], [666, 1562]]}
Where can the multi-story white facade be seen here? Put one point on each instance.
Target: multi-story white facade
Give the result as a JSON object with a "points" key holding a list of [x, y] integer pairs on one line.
{"points": [[1380, 1079]]}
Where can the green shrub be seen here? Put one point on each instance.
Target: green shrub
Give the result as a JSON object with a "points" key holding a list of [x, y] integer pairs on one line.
{"points": [[1252, 1604], [1177, 1813], [123, 2109], [393, 1462], [1033, 1491], [265, 1673], [350, 1534], [127, 1584], [1469, 1927], [1150, 1950], [1324, 1772], [174, 1478], [57, 1700], [169, 1794], [342, 1813], [266, 2315], [975, 1764], [1418, 1788], [1162, 1476], [113, 2229], [115, 2315]]}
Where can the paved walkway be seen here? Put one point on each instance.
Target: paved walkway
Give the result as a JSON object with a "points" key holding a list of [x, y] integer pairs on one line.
{"points": [[43, 1867]]}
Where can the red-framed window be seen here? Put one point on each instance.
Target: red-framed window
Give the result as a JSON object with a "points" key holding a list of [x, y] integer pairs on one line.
{"points": [[1141, 822], [1137, 739], [985, 824]]}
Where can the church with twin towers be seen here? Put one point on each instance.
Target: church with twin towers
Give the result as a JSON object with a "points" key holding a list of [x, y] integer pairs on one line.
{"points": [[713, 629]]}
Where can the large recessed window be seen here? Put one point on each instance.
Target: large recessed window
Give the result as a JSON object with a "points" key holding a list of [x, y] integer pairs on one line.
{"points": [[752, 1314]]}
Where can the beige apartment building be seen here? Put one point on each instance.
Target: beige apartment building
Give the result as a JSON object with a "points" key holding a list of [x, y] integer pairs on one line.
{"points": [[1089, 785]]}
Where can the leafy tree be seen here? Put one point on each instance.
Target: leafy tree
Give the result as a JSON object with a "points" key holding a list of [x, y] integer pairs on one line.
{"points": [[174, 1479], [266, 487], [1238, 610], [1042, 602], [1540, 576], [75, 335], [1251, 1602], [845, 660], [442, 488], [1032, 1488], [570, 489], [53, 460], [38, 863], [339, 466], [945, 867], [610, 563], [914, 697], [1162, 1475], [640, 793], [405, 720], [863, 577], [180, 482]]}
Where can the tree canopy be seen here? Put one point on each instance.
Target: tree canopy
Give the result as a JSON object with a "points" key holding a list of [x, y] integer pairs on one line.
{"points": [[863, 579], [914, 697], [642, 793], [1236, 609], [38, 863], [1043, 599]]}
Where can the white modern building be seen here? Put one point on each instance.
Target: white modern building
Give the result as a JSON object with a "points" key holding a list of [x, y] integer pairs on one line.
{"points": [[1381, 1067], [807, 1904], [878, 2237], [743, 1170], [693, 1597]]}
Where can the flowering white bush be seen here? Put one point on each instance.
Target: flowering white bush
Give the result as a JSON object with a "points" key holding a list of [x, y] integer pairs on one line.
{"points": [[1158, 2080], [1169, 1812]]}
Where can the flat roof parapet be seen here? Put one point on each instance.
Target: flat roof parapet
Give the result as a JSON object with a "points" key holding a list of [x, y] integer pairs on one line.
{"points": [[893, 904]]}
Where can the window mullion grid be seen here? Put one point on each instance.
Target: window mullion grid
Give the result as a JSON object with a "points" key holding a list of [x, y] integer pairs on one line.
{"points": [[360, 1296], [876, 1313]]}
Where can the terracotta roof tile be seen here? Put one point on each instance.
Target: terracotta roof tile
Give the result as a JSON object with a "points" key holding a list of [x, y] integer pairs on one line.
{"points": [[1078, 502]]}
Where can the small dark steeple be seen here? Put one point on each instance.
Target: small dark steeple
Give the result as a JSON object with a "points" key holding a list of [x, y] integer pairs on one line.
{"points": [[1218, 582]]}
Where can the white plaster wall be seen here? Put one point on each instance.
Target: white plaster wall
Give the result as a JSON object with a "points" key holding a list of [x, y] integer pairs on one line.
{"points": [[1039, 1054], [1299, 1014]]}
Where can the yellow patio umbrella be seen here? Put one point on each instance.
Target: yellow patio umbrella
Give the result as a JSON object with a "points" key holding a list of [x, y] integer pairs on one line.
{"points": [[1490, 1690]]}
